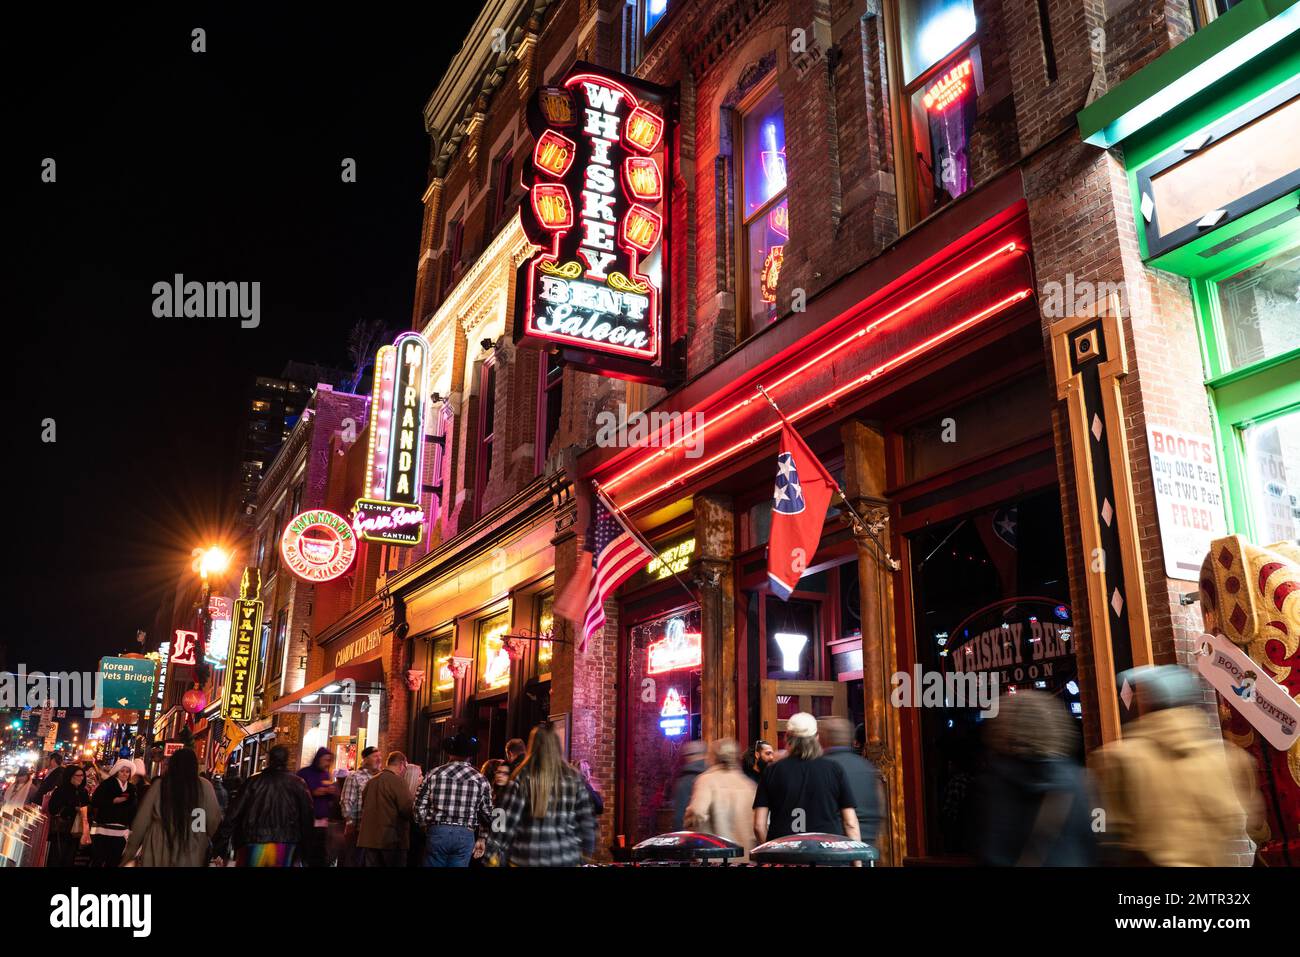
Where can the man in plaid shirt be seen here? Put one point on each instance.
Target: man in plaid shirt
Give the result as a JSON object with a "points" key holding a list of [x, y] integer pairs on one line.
{"points": [[455, 807], [350, 802]]}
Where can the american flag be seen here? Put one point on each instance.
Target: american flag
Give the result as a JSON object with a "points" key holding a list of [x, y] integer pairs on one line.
{"points": [[616, 554]]}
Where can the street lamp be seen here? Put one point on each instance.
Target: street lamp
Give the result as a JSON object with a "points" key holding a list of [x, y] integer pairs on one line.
{"points": [[214, 561]]}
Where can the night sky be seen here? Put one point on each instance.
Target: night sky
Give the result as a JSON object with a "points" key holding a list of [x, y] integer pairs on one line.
{"points": [[223, 166]]}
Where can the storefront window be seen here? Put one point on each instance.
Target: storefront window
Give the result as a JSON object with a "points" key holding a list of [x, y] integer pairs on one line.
{"points": [[765, 212], [990, 596], [545, 626], [1259, 309], [443, 681], [493, 659], [662, 712], [1273, 471]]}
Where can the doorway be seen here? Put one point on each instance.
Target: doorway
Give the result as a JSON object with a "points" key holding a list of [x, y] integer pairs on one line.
{"points": [[781, 699]]}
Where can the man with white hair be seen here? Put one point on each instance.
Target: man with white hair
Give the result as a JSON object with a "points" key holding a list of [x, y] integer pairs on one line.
{"points": [[803, 793]]}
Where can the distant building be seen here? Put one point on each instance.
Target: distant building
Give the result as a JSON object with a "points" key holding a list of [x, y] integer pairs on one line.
{"points": [[274, 405]]}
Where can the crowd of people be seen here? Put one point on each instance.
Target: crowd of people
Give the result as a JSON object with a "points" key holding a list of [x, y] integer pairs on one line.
{"points": [[1169, 792]]}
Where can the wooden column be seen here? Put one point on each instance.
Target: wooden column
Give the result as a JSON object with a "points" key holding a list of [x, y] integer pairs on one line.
{"points": [[864, 484], [714, 575]]}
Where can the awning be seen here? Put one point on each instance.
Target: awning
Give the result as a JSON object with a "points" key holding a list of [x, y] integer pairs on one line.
{"points": [[364, 673]]}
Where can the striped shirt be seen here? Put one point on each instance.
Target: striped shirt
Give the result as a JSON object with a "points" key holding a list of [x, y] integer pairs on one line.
{"points": [[557, 840], [353, 786]]}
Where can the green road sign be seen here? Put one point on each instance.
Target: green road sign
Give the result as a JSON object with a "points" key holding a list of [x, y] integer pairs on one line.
{"points": [[128, 683]]}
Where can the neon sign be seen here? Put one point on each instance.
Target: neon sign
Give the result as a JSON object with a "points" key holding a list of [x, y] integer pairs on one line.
{"points": [[672, 560], [390, 511], [678, 649], [771, 273], [183, 652], [949, 88], [237, 700], [673, 716], [318, 545], [596, 210]]}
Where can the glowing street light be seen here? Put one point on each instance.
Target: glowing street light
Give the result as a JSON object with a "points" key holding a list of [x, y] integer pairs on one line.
{"points": [[213, 561]]}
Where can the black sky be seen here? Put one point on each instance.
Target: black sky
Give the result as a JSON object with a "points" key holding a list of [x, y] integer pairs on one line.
{"points": [[222, 166]]}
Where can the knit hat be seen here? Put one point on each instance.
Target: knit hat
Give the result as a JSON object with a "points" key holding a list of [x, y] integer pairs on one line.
{"points": [[801, 725]]}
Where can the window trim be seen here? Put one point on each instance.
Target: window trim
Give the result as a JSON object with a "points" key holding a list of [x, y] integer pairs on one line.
{"points": [[740, 254], [485, 440], [544, 389]]}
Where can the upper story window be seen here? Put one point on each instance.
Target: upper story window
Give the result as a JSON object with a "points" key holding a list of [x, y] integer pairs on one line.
{"points": [[1204, 11], [763, 207], [942, 78], [456, 240], [550, 399], [502, 185], [655, 10], [640, 19]]}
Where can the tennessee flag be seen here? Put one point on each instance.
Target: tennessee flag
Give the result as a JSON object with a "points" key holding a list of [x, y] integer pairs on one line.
{"points": [[803, 492]]}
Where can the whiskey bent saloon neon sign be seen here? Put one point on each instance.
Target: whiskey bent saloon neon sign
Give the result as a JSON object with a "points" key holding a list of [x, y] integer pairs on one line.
{"points": [[596, 208]]}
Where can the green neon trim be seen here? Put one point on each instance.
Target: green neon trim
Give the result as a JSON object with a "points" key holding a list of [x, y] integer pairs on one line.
{"points": [[1234, 39]]}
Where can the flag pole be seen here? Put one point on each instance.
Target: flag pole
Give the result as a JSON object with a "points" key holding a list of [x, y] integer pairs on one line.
{"points": [[632, 530], [859, 523]]}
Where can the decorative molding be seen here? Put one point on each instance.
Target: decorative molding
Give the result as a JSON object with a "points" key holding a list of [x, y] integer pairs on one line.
{"points": [[1090, 360]]}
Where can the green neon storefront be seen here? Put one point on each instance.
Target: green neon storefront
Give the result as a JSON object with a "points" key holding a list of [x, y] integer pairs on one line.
{"points": [[1210, 133]]}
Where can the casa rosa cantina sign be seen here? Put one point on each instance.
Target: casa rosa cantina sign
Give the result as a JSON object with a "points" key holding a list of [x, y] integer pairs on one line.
{"points": [[318, 545], [597, 208]]}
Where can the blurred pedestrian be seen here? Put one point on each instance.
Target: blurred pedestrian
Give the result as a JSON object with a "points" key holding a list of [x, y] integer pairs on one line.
{"points": [[271, 824], [804, 793], [1033, 803], [756, 759], [692, 765], [722, 802], [386, 813], [231, 781], [548, 819], [836, 734], [583, 767], [51, 778], [515, 752], [350, 803], [497, 772], [1174, 792], [219, 789], [414, 777], [319, 778], [112, 809], [69, 817], [454, 807], [176, 819], [21, 790]]}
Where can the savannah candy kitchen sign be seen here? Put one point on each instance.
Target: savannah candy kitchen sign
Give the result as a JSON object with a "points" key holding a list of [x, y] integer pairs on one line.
{"points": [[597, 208]]}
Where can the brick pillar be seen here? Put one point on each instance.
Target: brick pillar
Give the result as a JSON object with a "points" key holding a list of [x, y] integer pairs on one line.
{"points": [[715, 577], [864, 481]]}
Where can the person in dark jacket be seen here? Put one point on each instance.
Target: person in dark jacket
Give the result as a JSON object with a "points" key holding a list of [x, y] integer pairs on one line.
{"points": [[864, 779], [272, 820], [69, 818], [387, 809], [1033, 804], [112, 809], [693, 765], [54, 773]]}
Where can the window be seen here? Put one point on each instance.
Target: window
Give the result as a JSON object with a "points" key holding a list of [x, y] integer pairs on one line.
{"points": [[1250, 321], [1204, 11], [297, 502], [493, 659], [764, 210], [455, 243], [502, 185], [261, 405], [275, 664], [545, 625], [942, 77], [487, 403], [550, 399]]}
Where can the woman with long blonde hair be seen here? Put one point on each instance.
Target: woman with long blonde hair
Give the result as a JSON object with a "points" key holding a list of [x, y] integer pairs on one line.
{"points": [[549, 819]]}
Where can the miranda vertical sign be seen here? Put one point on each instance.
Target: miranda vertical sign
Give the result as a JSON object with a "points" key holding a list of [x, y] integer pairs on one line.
{"points": [[390, 511], [245, 641], [597, 208]]}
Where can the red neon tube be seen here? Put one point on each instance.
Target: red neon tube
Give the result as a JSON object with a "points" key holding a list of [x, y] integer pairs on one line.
{"points": [[831, 396], [871, 326]]}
